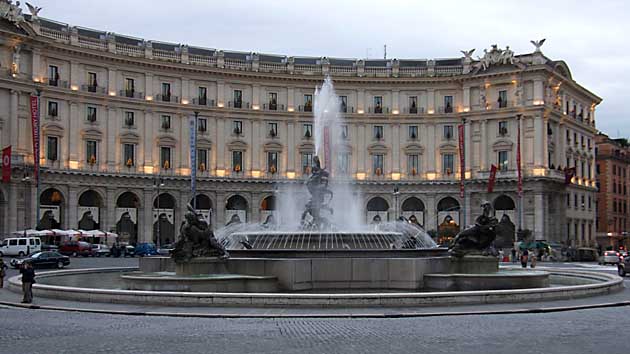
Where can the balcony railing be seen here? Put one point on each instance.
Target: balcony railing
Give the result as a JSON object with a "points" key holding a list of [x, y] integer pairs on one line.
{"points": [[167, 98], [131, 94], [57, 83], [93, 89], [238, 104], [203, 101]]}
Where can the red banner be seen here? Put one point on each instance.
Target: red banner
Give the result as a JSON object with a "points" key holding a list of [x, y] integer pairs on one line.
{"points": [[6, 164], [493, 176], [462, 161], [35, 129], [518, 158]]}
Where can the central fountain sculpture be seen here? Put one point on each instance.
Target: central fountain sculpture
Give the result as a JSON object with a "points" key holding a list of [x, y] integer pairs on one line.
{"points": [[321, 197]]}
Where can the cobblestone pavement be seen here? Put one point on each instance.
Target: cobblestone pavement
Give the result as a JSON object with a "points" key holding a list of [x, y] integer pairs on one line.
{"points": [[587, 331]]}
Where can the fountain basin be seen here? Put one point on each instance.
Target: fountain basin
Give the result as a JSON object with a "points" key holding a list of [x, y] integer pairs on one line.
{"points": [[503, 280], [168, 281]]}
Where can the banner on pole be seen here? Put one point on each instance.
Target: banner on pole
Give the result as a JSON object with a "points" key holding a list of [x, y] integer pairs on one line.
{"points": [[518, 159], [462, 161], [6, 164], [493, 176], [193, 156], [35, 130]]}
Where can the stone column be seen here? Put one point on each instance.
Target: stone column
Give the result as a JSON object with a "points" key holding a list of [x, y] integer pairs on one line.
{"points": [[221, 93], [539, 141], [184, 143], [290, 97], [468, 146], [256, 96], [148, 85], [539, 91], [430, 223], [110, 210], [361, 148], [431, 148], [539, 216], [290, 148], [14, 121], [145, 222], [148, 141], [256, 148], [72, 207], [220, 146], [185, 91], [466, 99], [360, 100], [12, 211], [431, 100], [111, 81], [37, 65], [395, 148], [109, 143], [396, 101], [75, 79], [484, 146], [73, 131]]}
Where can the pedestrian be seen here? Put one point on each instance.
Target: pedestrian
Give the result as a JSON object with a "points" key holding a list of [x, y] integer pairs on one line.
{"points": [[524, 257], [28, 279], [28, 250], [513, 255], [533, 262], [3, 273]]}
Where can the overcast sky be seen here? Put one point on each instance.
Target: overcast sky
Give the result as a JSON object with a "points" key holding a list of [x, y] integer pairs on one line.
{"points": [[590, 36]]}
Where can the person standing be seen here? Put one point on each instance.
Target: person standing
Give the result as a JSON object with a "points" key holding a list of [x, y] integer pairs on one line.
{"points": [[533, 262], [513, 255], [28, 279], [524, 257], [3, 273]]}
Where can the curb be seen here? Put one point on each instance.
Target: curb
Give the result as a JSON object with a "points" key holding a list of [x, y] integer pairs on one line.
{"points": [[318, 315]]}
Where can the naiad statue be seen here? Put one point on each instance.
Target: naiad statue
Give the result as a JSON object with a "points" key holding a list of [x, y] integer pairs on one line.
{"points": [[196, 239], [477, 238]]}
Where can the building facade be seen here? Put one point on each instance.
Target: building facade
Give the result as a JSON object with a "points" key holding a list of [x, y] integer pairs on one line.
{"points": [[613, 173], [115, 114]]}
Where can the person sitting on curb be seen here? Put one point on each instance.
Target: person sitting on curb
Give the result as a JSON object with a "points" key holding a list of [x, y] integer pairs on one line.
{"points": [[28, 279]]}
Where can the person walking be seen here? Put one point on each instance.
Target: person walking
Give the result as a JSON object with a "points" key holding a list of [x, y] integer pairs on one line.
{"points": [[533, 262], [524, 258], [3, 273], [513, 255], [28, 279]]}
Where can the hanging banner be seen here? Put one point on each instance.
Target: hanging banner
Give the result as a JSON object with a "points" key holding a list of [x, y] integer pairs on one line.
{"points": [[35, 130], [518, 158], [6, 164], [193, 157], [462, 161], [493, 176]]}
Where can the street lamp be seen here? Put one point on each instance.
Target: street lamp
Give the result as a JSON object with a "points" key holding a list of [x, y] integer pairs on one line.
{"points": [[396, 193], [157, 183]]}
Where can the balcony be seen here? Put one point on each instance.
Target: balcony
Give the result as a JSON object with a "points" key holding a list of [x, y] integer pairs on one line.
{"points": [[131, 94], [203, 101], [445, 110], [167, 98], [56, 83], [93, 89]]}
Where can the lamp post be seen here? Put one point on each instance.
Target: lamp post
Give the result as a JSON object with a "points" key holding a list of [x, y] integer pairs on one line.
{"points": [[157, 183], [396, 193]]}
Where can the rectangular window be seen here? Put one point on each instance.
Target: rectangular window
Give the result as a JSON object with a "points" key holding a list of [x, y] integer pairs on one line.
{"points": [[166, 92], [344, 132], [53, 109], [413, 104], [448, 132], [503, 129], [129, 154], [202, 95], [575, 139], [308, 103], [237, 161], [582, 169], [52, 148], [237, 127], [447, 164], [582, 141], [91, 114], [165, 122], [165, 157], [377, 164], [308, 130], [202, 160], [272, 162], [568, 137], [53, 75], [91, 155], [503, 160], [413, 165], [344, 163], [413, 132], [378, 104], [448, 104], [273, 129], [130, 119], [202, 125], [343, 101], [130, 87], [92, 84], [307, 163], [238, 99], [378, 132], [502, 99], [575, 201], [590, 202], [273, 101]]}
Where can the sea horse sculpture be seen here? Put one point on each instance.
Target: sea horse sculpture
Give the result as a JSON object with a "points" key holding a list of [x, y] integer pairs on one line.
{"points": [[317, 185]]}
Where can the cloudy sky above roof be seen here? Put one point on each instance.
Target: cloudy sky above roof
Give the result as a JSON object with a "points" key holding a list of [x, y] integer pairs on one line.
{"points": [[587, 36]]}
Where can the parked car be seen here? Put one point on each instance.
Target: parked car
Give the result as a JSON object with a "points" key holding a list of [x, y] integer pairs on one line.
{"points": [[76, 248], [145, 249], [623, 267], [20, 246], [101, 250], [582, 254], [165, 250], [46, 247], [42, 260], [129, 251], [609, 257]]}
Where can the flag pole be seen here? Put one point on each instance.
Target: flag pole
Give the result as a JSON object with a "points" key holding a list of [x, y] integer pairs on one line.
{"points": [[519, 172]]}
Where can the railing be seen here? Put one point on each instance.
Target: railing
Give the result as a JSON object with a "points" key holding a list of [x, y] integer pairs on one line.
{"points": [[203, 102], [131, 94], [412, 71], [57, 35], [132, 51], [238, 104], [202, 60], [93, 89], [272, 67], [445, 110], [166, 55], [56, 83], [305, 69], [236, 64], [448, 70], [413, 110], [167, 98], [378, 71], [343, 69], [273, 107], [90, 43]]}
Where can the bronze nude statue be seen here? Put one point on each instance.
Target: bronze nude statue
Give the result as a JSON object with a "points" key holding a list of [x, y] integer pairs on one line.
{"points": [[479, 237], [196, 239]]}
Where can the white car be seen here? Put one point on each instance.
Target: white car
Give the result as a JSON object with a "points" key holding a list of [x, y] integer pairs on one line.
{"points": [[20, 246], [101, 250], [609, 257]]}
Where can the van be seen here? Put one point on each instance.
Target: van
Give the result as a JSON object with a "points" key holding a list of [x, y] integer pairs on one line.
{"points": [[20, 246]]}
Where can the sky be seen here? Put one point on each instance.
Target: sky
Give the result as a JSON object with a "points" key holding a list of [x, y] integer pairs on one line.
{"points": [[590, 36]]}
